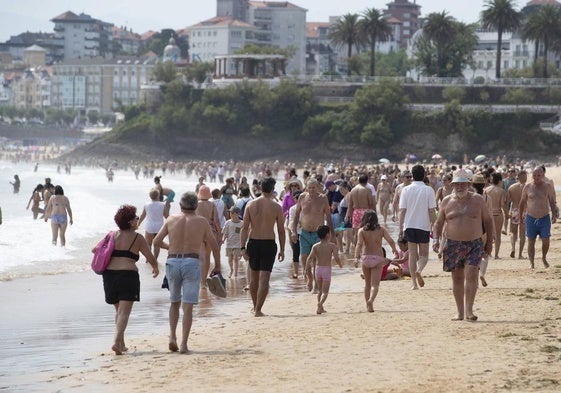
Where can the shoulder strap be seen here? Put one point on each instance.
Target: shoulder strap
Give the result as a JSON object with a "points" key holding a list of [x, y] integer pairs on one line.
{"points": [[133, 242]]}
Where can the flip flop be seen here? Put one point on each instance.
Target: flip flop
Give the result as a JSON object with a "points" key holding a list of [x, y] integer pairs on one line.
{"points": [[215, 286]]}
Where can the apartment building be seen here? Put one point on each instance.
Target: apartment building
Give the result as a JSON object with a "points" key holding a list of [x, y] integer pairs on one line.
{"points": [[32, 89], [81, 36], [100, 84], [408, 14]]}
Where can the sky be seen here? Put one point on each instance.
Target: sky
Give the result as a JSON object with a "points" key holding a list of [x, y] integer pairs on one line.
{"points": [[18, 16]]}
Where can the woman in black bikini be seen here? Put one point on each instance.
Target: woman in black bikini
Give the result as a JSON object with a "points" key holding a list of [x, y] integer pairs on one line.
{"points": [[121, 281]]}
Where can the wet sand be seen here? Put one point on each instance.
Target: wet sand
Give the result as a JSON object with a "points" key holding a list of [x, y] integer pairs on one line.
{"points": [[409, 344]]}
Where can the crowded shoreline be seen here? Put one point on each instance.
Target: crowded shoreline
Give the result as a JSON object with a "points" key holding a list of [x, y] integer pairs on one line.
{"points": [[244, 341]]}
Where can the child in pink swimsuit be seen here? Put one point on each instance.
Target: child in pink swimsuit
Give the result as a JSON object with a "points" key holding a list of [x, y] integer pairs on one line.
{"points": [[322, 253], [369, 251]]}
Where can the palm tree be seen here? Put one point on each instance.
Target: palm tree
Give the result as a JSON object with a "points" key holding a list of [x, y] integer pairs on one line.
{"points": [[500, 15], [374, 27], [544, 26], [440, 29], [346, 32]]}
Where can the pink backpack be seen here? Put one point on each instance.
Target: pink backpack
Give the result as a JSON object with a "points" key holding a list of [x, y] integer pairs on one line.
{"points": [[102, 253]]}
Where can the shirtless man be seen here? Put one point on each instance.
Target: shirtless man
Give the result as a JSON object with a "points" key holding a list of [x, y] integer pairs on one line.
{"points": [[187, 234], [536, 198], [260, 217], [360, 200], [384, 196], [499, 211], [312, 210], [517, 227], [406, 179], [465, 214]]}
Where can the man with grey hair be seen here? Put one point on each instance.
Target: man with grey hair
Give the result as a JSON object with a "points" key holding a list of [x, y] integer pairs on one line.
{"points": [[465, 215], [312, 210], [537, 198], [186, 233]]}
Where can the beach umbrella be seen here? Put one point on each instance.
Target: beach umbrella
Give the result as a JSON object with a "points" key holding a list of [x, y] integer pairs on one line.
{"points": [[412, 157], [480, 158], [436, 157], [384, 160]]}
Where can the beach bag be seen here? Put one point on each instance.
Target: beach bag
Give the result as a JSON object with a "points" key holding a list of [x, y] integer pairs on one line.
{"points": [[102, 254]]}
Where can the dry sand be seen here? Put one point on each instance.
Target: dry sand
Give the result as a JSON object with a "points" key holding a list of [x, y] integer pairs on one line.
{"points": [[409, 344]]}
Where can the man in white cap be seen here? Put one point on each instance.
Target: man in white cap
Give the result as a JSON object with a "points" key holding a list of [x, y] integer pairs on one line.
{"points": [[465, 215]]}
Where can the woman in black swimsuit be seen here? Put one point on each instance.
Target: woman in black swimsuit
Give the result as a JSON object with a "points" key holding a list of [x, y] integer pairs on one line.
{"points": [[121, 281]]}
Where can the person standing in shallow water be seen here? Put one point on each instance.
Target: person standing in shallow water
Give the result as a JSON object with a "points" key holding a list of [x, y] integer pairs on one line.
{"points": [[16, 184], [59, 211]]}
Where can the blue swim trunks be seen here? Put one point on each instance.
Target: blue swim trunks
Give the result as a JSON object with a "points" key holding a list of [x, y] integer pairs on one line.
{"points": [[184, 279], [457, 254], [59, 219], [307, 240], [538, 226], [170, 196]]}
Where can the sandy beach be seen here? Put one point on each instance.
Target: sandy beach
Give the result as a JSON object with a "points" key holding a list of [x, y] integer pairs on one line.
{"points": [[409, 344]]}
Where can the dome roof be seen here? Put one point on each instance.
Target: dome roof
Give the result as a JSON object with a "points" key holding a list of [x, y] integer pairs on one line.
{"points": [[172, 51]]}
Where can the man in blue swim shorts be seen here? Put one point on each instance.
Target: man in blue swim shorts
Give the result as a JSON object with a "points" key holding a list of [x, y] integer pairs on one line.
{"points": [[312, 210], [186, 234], [537, 199], [465, 215]]}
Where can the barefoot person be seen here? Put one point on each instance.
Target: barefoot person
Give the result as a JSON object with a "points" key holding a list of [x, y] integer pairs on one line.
{"points": [[465, 215], [321, 255], [417, 204], [121, 281], [154, 212], [59, 211], [369, 251], [312, 210], [517, 226], [537, 198], [261, 215], [187, 233], [497, 196]]}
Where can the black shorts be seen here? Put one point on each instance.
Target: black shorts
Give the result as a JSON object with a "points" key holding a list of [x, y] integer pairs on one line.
{"points": [[414, 235], [121, 285], [262, 254]]}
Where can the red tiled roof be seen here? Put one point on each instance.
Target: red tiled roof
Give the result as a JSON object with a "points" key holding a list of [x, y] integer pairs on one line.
{"points": [[312, 28], [274, 4], [222, 21]]}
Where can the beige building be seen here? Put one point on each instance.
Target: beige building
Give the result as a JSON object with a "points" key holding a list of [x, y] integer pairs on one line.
{"points": [[32, 89], [34, 56], [100, 84]]}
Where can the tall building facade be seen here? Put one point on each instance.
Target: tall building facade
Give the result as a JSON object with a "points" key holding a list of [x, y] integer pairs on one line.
{"points": [[81, 36], [408, 13], [235, 9], [100, 84]]}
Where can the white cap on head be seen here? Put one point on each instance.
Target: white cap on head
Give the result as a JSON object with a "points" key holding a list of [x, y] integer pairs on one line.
{"points": [[461, 176], [384, 177]]}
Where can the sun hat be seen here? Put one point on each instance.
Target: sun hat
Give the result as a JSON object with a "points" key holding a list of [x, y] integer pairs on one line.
{"points": [[461, 176], [204, 193], [478, 179]]}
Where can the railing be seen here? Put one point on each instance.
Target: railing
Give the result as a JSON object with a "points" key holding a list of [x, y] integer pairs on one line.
{"points": [[543, 82]]}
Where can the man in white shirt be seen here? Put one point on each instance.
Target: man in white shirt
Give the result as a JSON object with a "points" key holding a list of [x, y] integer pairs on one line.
{"points": [[417, 205]]}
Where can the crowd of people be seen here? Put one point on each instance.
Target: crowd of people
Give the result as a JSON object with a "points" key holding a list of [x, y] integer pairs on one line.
{"points": [[331, 215]]}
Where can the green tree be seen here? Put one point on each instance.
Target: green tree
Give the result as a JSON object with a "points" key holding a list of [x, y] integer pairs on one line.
{"points": [[544, 26], [454, 93], [374, 27], [440, 31], [446, 46], [198, 71], [160, 40], [393, 63], [500, 15], [346, 32], [165, 72], [518, 96], [93, 116]]}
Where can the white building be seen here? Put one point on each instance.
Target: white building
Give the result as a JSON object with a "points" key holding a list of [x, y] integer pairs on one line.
{"points": [[100, 84], [281, 24], [218, 36], [82, 36]]}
